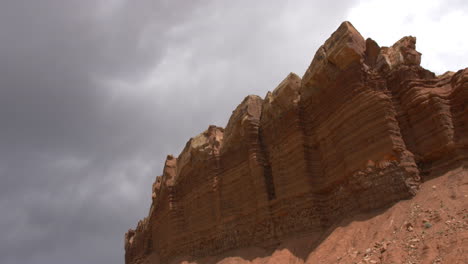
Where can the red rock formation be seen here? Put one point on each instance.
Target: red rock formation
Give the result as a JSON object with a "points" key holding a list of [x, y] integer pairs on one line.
{"points": [[354, 134]]}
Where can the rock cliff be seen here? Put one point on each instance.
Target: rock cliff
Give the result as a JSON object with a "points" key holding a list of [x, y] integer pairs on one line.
{"points": [[360, 130]]}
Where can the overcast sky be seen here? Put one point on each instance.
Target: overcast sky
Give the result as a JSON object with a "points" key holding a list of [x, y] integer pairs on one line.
{"points": [[95, 93]]}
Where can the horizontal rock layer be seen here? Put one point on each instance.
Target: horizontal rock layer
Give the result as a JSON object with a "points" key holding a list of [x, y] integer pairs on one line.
{"points": [[357, 132]]}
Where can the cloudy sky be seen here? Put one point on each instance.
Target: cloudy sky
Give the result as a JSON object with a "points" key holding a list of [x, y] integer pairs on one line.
{"points": [[95, 93]]}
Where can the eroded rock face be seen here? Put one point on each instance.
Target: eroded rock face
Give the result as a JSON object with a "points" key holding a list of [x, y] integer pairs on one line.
{"points": [[357, 132]]}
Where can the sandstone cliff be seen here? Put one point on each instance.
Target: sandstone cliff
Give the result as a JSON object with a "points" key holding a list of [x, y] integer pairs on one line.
{"points": [[360, 131]]}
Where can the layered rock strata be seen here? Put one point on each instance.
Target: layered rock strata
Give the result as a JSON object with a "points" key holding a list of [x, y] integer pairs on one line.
{"points": [[357, 132]]}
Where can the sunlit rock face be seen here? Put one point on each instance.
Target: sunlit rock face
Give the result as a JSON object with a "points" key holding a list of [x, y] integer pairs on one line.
{"points": [[357, 132]]}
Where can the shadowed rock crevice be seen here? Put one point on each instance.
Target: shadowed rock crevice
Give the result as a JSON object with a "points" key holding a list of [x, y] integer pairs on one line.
{"points": [[354, 134], [267, 172]]}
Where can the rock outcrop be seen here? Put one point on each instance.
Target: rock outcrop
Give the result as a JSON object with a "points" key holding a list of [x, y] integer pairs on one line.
{"points": [[361, 130]]}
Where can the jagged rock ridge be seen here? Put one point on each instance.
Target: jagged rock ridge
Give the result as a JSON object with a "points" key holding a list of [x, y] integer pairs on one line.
{"points": [[357, 132]]}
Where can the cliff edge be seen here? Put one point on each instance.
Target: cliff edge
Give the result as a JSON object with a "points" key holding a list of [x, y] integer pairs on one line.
{"points": [[360, 131]]}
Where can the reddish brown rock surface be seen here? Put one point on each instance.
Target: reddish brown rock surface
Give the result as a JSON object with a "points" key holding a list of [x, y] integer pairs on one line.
{"points": [[360, 131]]}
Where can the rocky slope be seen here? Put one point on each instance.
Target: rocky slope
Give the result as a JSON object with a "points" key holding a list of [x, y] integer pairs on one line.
{"points": [[358, 132]]}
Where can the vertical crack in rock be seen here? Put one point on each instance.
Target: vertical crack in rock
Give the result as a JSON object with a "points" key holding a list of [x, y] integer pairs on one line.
{"points": [[355, 133], [267, 172]]}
